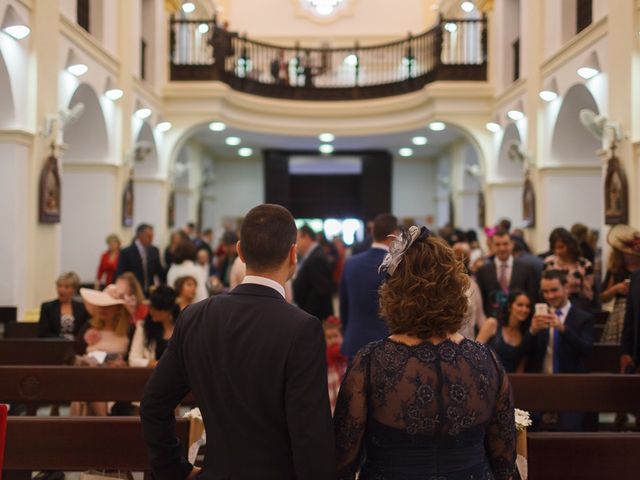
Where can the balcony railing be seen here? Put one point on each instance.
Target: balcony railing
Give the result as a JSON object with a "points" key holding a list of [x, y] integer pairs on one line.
{"points": [[453, 50]]}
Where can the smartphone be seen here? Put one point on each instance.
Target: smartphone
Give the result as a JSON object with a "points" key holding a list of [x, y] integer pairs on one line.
{"points": [[542, 309]]}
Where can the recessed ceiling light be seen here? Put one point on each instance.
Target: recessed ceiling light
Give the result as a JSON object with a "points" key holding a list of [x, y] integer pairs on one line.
{"points": [[419, 140], [493, 127], [233, 141], [326, 137], [405, 152], [164, 126], [245, 152], [188, 7], [143, 113], [217, 126], [326, 148], [467, 6], [437, 126], [203, 28], [351, 60], [450, 27], [515, 115]]}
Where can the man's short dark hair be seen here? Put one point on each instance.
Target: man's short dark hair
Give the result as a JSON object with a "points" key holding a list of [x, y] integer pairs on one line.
{"points": [[207, 231], [143, 227], [505, 224], [229, 237], [307, 231], [384, 225], [502, 232], [555, 275], [267, 234]]}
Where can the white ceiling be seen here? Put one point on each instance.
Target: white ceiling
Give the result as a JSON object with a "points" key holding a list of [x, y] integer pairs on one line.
{"points": [[437, 141]]}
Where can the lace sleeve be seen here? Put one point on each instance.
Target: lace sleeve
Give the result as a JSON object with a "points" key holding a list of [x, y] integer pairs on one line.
{"points": [[501, 432], [350, 418]]}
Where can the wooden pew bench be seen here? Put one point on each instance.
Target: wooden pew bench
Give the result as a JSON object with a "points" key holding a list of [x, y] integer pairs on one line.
{"points": [[36, 351], [583, 456], [21, 330], [79, 443]]}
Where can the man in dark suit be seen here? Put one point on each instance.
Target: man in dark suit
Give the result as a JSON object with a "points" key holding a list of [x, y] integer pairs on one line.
{"points": [[630, 359], [256, 365], [141, 258], [504, 274], [561, 340], [359, 289], [313, 281]]}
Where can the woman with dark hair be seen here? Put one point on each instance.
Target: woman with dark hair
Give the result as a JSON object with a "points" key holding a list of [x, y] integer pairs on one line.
{"points": [[185, 288], [425, 402], [184, 264], [567, 258], [153, 333], [507, 336]]}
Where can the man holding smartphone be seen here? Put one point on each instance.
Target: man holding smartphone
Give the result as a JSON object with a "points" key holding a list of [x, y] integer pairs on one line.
{"points": [[561, 337]]}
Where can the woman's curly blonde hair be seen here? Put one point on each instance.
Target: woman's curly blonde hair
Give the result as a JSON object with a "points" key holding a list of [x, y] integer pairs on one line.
{"points": [[425, 296]]}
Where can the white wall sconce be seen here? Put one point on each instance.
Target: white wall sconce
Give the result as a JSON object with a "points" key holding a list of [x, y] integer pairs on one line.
{"points": [[550, 91], [516, 113], [74, 65], [112, 91], [142, 112], [590, 67]]}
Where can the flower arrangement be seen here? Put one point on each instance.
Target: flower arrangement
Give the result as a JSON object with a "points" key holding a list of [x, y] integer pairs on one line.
{"points": [[523, 420], [193, 413]]}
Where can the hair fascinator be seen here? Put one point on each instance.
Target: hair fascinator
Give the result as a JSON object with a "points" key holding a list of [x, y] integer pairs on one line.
{"points": [[400, 245]]}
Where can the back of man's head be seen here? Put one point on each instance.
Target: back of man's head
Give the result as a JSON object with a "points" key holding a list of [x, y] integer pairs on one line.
{"points": [[306, 231], [384, 225], [268, 232]]}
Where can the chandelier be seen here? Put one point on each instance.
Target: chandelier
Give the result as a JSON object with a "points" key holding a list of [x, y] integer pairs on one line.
{"points": [[324, 7]]}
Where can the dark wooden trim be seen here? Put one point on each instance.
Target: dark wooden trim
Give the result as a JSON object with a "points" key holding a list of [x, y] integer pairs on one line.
{"points": [[36, 351], [79, 443]]}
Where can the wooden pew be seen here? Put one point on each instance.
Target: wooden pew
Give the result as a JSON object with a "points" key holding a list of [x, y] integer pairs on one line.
{"points": [[21, 330], [79, 443], [8, 314], [605, 358], [583, 456], [61, 384], [36, 351], [576, 392]]}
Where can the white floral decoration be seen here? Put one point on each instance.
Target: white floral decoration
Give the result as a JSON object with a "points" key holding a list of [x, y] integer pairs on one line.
{"points": [[397, 249], [193, 413], [523, 420]]}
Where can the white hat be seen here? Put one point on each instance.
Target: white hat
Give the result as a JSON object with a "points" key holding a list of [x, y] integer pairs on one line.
{"points": [[98, 298]]}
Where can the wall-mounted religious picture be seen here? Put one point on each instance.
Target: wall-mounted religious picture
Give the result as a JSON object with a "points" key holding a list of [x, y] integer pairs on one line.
{"points": [[616, 194], [50, 194], [171, 209], [482, 210], [528, 203], [127, 204], [452, 210]]}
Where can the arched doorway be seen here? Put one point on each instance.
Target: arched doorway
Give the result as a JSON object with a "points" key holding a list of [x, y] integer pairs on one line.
{"points": [[509, 173], [89, 187], [7, 107]]}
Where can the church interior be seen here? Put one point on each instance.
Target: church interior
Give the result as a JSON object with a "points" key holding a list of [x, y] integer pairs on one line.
{"points": [[173, 119]]}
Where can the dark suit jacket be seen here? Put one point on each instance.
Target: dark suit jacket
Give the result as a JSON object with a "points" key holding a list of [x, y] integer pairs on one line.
{"points": [[313, 285], [523, 277], [131, 261], [574, 345], [49, 323], [359, 301], [631, 331], [256, 366]]}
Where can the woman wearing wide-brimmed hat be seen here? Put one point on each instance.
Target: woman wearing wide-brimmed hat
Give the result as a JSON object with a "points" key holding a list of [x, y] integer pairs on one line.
{"points": [[624, 259]]}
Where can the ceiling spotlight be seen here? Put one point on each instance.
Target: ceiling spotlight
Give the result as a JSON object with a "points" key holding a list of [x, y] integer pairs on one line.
{"points": [[419, 140], [188, 7], [326, 137], [515, 115], [437, 126], [112, 91], [351, 60], [450, 27], [326, 148], [13, 25], [493, 127], [467, 6], [590, 68], [203, 28], [245, 152], [217, 126], [233, 141], [74, 65], [405, 152], [164, 126]]}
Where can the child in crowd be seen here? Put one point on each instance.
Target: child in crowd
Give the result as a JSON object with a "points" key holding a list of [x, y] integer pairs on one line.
{"points": [[336, 361]]}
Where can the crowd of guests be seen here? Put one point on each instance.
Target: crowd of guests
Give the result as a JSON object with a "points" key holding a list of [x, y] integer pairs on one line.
{"points": [[534, 311]]}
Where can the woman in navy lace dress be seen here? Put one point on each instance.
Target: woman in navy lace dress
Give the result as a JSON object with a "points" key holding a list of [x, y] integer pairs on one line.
{"points": [[425, 403]]}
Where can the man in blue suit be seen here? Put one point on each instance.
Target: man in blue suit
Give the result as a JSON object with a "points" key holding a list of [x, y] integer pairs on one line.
{"points": [[359, 289]]}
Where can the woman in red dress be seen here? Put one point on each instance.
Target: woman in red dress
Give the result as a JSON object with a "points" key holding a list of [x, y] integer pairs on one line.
{"points": [[108, 263]]}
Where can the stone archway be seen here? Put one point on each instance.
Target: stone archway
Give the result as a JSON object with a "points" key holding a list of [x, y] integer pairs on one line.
{"points": [[7, 106], [87, 137]]}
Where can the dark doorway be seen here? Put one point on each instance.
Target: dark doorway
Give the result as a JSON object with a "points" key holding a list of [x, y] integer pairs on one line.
{"points": [[343, 185]]}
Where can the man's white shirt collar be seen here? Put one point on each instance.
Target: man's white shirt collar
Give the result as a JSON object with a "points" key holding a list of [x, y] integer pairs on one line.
{"points": [[381, 246], [265, 282]]}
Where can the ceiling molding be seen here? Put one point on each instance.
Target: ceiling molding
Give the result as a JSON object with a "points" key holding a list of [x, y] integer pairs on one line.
{"points": [[20, 137]]}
